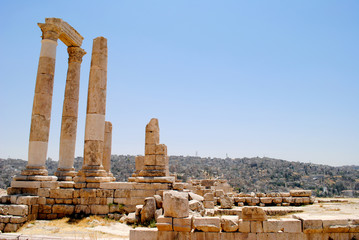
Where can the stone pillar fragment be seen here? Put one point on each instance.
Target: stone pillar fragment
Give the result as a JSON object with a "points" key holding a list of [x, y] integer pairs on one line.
{"points": [[92, 168], [66, 170], [106, 161], [156, 159], [41, 111]]}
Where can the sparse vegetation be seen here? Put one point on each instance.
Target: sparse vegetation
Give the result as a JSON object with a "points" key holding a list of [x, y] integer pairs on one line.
{"points": [[243, 174]]}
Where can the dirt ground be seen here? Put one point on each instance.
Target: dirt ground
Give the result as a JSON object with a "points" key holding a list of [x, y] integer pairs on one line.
{"points": [[98, 228]]}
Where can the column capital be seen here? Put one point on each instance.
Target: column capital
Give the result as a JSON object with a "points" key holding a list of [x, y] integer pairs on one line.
{"points": [[75, 54], [50, 31]]}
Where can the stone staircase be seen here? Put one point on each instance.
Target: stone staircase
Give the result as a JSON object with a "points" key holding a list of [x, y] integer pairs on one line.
{"points": [[15, 210]]}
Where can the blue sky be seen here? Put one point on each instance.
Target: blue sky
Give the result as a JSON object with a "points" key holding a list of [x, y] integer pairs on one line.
{"points": [[244, 78]]}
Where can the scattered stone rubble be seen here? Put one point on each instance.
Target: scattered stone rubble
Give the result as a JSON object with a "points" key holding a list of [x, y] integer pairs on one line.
{"points": [[182, 210], [253, 223]]}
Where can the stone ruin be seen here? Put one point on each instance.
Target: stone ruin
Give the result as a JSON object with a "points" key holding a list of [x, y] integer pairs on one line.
{"points": [[198, 209]]}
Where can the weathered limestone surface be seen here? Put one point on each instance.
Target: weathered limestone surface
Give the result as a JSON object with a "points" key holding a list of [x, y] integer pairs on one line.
{"points": [[92, 169], [148, 209], [41, 111], [155, 161], [175, 204], [66, 170], [253, 214], [106, 161]]}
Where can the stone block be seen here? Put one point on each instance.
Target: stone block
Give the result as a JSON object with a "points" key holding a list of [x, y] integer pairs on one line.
{"points": [[66, 184], [45, 209], [207, 224], [148, 209], [61, 193], [194, 196], [291, 225], [18, 219], [195, 205], [208, 204], [150, 149], [298, 200], [229, 223], [175, 204], [182, 224], [122, 193], [5, 218], [226, 202], [12, 227], [100, 209], [25, 184], [142, 193], [310, 224], [161, 160], [34, 209], [161, 149], [244, 226], [63, 209], [253, 214], [44, 192], [82, 209], [266, 200], [255, 200], [104, 193], [5, 199], [116, 185], [164, 223], [272, 226], [335, 225], [256, 226], [144, 233], [178, 186], [18, 210], [27, 200], [300, 193], [49, 184], [277, 200], [159, 201], [150, 160], [50, 201], [208, 197], [88, 193]]}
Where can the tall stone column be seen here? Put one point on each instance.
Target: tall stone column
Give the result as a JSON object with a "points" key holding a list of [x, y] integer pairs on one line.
{"points": [[92, 169], [66, 170], [41, 110], [106, 160]]}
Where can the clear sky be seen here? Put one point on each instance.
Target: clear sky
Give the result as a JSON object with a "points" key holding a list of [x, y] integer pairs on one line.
{"points": [[245, 78]]}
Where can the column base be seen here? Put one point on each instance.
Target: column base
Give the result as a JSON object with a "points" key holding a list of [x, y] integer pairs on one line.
{"points": [[113, 179], [65, 174], [91, 177], [153, 171], [34, 171]]}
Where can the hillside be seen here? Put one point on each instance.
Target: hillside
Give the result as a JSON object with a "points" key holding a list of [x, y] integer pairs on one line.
{"points": [[244, 174]]}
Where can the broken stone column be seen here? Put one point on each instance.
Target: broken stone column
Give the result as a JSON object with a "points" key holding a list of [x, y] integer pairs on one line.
{"points": [[66, 170], [41, 110], [92, 169], [156, 159], [106, 161]]}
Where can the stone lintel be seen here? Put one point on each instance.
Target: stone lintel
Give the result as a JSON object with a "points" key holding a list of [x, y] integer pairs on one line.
{"points": [[69, 36]]}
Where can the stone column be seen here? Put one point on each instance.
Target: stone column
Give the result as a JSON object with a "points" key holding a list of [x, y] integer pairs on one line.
{"points": [[106, 160], [92, 169], [41, 110], [66, 170]]}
